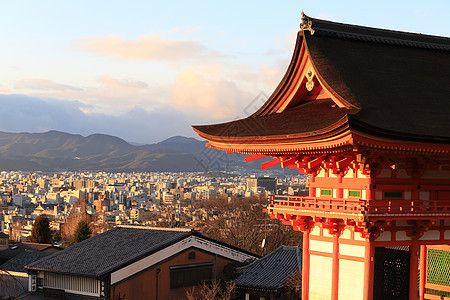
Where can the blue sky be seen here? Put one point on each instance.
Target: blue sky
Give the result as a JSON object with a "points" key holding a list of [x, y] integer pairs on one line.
{"points": [[147, 70]]}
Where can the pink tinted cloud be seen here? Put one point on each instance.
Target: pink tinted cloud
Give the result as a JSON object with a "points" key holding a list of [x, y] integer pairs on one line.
{"points": [[146, 47], [43, 85]]}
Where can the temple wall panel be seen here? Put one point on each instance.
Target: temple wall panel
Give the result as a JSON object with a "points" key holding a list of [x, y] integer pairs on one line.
{"points": [[357, 237], [407, 195], [402, 174], [385, 173], [401, 236], [325, 233], [436, 174], [315, 231], [364, 194], [321, 173], [331, 175], [431, 235], [346, 234], [321, 246], [350, 173], [351, 250], [385, 236], [378, 195], [320, 277], [424, 195], [345, 193], [447, 235], [351, 279]]}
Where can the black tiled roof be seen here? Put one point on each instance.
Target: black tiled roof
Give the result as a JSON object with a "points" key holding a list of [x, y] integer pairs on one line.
{"points": [[18, 262], [109, 251], [394, 83], [271, 271]]}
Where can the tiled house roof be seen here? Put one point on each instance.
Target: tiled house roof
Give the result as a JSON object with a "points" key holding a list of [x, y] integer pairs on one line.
{"points": [[108, 251], [18, 262], [114, 249], [271, 271]]}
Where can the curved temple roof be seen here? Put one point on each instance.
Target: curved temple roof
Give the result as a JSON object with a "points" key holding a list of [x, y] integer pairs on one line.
{"points": [[385, 83]]}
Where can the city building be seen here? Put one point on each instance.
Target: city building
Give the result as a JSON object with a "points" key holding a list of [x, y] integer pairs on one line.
{"points": [[364, 112]]}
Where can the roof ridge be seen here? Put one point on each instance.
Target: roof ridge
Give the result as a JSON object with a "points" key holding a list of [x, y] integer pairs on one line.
{"points": [[373, 34], [187, 229]]}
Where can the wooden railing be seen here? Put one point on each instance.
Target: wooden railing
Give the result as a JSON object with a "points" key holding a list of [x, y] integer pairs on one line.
{"points": [[337, 205]]}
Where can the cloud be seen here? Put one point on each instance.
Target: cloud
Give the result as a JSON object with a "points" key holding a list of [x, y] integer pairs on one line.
{"points": [[111, 95], [146, 47], [125, 83], [283, 45], [211, 98], [42, 84], [4, 89], [31, 114]]}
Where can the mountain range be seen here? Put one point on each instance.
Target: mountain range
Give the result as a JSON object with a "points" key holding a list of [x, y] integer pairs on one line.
{"points": [[59, 151]]}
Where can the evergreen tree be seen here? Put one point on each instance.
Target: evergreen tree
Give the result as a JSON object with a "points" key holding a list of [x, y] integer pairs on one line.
{"points": [[82, 231], [40, 233]]}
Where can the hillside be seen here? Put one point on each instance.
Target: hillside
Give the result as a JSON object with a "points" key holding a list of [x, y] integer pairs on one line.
{"points": [[57, 151]]}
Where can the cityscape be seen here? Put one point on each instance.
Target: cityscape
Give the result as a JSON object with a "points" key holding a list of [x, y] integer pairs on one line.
{"points": [[127, 199]]}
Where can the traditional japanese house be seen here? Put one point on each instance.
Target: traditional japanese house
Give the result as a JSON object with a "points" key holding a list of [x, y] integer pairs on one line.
{"points": [[365, 113]]}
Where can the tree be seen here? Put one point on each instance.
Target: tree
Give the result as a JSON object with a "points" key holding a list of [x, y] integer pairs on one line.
{"points": [[77, 213], [216, 290], [82, 232], [243, 223], [40, 233]]}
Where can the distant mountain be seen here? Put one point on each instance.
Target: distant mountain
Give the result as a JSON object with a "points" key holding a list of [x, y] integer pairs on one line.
{"points": [[56, 151]]}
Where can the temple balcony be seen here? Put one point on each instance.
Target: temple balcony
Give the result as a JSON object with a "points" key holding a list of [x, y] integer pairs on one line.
{"points": [[287, 207]]}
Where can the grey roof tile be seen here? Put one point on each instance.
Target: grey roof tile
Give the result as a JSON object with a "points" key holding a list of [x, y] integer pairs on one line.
{"points": [[18, 262], [271, 271], [108, 251]]}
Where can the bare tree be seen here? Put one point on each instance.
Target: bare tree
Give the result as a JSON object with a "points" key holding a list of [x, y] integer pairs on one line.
{"points": [[216, 290], [294, 284], [242, 223]]}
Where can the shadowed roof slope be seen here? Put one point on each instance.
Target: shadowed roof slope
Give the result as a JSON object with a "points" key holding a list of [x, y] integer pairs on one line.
{"points": [[399, 80], [271, 271]]}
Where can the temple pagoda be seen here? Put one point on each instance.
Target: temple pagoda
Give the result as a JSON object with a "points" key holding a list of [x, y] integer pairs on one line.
{"points": [[365, 113]]}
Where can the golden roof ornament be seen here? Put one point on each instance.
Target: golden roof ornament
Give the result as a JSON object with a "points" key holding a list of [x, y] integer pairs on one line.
{"points": [[306, 23]]}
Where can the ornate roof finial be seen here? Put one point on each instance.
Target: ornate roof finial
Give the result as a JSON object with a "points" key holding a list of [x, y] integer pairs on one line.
{"points": [[306, 23]]}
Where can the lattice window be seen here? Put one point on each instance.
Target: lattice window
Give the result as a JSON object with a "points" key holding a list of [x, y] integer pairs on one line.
{"points": [[325, 192], [356, 194], [438, 267], [393, 194]]}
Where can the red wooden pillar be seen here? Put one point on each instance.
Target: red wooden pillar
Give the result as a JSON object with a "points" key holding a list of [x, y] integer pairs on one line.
{"points": [[312, 189], [305, 267], [423, 271], [413, 268], [369, 269], [335, 269], [340, 190]]}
